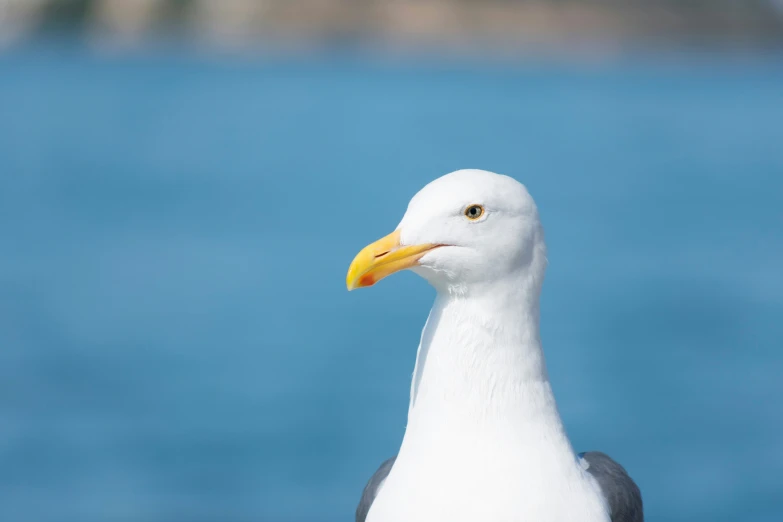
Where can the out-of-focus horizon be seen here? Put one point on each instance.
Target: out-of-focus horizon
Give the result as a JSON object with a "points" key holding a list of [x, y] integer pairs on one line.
{"points": [[519, 26]]}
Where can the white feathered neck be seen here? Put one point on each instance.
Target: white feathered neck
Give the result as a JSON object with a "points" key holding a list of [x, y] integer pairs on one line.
{"points": [[484, 440]]}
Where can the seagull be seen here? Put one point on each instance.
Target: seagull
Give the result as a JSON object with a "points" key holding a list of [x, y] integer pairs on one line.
{"points": [[484, 441]]}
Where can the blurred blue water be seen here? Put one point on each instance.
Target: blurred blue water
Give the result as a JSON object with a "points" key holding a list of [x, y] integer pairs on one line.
{"points": [[176, 342]]}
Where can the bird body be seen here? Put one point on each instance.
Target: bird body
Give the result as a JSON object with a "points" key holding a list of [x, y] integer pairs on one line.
{"points": [[484, 440]]}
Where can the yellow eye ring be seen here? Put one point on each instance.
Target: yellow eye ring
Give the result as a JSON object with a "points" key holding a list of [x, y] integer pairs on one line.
{"points": [[473, 212]]}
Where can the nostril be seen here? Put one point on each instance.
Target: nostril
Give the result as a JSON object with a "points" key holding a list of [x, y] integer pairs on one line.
{"points": [[382, 254]]}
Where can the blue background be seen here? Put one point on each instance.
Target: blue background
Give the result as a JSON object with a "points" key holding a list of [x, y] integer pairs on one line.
{"points": [[176, 340]]}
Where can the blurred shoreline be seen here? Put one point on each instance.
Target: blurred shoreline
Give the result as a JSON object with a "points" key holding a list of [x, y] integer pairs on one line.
{"points": [[518, 27]]}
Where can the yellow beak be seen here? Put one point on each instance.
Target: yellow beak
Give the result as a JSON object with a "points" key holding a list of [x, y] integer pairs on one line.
{"points": [[383, 258]]}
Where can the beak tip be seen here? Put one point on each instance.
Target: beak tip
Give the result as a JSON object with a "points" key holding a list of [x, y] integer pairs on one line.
{"points": [[372, 264], [361, 282]]}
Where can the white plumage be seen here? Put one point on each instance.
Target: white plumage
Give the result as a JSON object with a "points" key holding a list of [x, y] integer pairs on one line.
{"points": [[484, 440]]}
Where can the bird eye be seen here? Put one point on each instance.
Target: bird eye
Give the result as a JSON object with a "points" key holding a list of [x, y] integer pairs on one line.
{"points": [[473, 212]]}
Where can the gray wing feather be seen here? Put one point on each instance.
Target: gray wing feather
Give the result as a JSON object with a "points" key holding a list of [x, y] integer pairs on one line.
{"points": [[372, 488], [621, 492]]}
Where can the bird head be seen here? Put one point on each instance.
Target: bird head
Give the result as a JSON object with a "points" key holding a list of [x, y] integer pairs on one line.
{"points": [[465, 231]]}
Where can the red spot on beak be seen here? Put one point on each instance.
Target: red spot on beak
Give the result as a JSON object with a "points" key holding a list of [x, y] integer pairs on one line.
{"points": [[366, 280]]}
